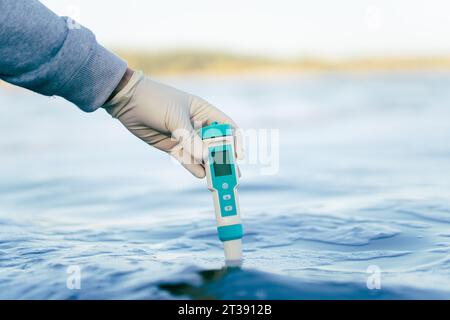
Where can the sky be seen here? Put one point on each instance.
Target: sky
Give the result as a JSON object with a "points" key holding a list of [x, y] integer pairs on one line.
{"points": [[288, 28]]}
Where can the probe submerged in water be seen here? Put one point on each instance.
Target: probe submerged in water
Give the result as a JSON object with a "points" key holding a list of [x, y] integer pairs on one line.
{"points": [[222, 177]]}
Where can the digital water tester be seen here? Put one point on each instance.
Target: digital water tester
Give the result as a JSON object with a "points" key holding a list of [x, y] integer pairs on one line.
{"points": [[222, 175]]}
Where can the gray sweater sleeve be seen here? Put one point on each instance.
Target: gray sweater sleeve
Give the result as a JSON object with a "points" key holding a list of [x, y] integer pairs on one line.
{"points": [[52, 55]]}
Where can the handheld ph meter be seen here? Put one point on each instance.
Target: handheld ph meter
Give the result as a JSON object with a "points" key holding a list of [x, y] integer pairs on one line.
{"points": [[222, 175]]}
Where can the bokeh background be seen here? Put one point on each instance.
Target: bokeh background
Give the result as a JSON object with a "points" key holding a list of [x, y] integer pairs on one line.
{"points": [[203, 36], [358, 92]]}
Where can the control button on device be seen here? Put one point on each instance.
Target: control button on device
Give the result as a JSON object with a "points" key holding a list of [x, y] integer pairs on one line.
{"points": [[228, 208], [226, 197], [224, 185]]}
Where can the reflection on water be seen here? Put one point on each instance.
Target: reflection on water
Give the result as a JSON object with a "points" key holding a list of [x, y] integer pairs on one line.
{"points": [[237, 283], [363, 181]]}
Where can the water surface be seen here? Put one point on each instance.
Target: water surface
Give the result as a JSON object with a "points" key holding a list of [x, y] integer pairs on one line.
{"points": [[363, 181]]}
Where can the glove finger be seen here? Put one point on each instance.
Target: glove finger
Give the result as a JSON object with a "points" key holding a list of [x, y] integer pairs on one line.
{"points": [[154, 138], [239, 144], [191, 142], [238, 137], [197, 170], [205, 113], [187, 161]]}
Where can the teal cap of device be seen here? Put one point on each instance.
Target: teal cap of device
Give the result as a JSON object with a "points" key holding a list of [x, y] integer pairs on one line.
{"points": [[231, 232], [215, 130]]}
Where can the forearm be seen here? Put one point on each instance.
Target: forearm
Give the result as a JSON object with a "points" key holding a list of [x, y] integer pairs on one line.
{"points": [[40, 52]]}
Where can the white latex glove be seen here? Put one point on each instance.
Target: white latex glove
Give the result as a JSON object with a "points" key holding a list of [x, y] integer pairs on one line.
{"points": [[164, 117]]}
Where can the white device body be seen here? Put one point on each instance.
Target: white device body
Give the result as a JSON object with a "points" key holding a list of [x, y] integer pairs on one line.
{"points": [[232, 248]]}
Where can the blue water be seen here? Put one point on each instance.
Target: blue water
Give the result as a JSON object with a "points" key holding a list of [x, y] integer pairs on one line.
{"points": [[363, 180]]}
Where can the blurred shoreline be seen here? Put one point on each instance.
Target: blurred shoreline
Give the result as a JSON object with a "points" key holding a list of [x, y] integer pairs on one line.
{"points": [[216, 63], [193, 62]]}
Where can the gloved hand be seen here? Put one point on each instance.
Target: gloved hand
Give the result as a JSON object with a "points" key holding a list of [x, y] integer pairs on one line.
{"points": [[164, 117]]}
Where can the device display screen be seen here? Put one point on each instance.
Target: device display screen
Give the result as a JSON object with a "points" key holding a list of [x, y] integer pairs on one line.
{"points": [[221, 163]]}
